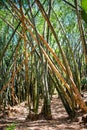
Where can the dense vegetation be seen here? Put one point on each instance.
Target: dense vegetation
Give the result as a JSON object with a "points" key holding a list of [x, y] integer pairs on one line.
{"points": [[43, 49]]}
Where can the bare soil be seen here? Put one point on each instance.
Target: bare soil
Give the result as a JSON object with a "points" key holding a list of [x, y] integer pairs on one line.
{"points": [[60, 119]]}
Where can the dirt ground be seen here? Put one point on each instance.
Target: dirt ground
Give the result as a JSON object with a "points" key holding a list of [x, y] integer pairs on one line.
{"points": [[60, 120]]}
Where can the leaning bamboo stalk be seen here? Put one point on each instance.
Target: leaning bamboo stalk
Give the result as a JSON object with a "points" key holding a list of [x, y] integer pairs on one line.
{"points": [[25, 43], [64, 82], [64, 58], [55, 70], [72, 53], [25, 55], [8, 43], [74, 87], [42, 39], [53, 53], [49, 48], [62, 88], [17, 11], [55, 36], [10, 80], [11, 26], [58, 74], [18, 70], [77, 96], [13, 76]]}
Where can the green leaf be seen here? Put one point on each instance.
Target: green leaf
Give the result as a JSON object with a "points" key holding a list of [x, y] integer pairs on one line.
{"points": [[84, 15], [84, 5], [11, 126]]}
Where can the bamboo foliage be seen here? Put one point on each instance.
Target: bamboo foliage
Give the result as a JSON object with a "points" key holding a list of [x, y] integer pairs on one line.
{"points": [[55, 35], [72, 53], [41, 52], [56, 38], [79, 99], [81, 30]]}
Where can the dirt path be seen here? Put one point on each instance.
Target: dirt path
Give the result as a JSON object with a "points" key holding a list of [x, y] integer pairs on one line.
{"points": [[60, 119]]}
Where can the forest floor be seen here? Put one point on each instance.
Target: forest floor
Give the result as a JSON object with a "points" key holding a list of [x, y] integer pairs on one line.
{"points": [[60, 120]]}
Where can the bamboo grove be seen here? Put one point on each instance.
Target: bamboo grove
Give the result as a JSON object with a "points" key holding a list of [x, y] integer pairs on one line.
{"points": [[37, 59]]}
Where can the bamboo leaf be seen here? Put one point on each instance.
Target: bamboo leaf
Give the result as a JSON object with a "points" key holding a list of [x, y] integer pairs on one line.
{"points": [[84, 5], [84, 15]]}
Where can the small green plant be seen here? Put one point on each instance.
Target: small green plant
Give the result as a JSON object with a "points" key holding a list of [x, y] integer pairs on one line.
{"points": [[11, 126]]}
